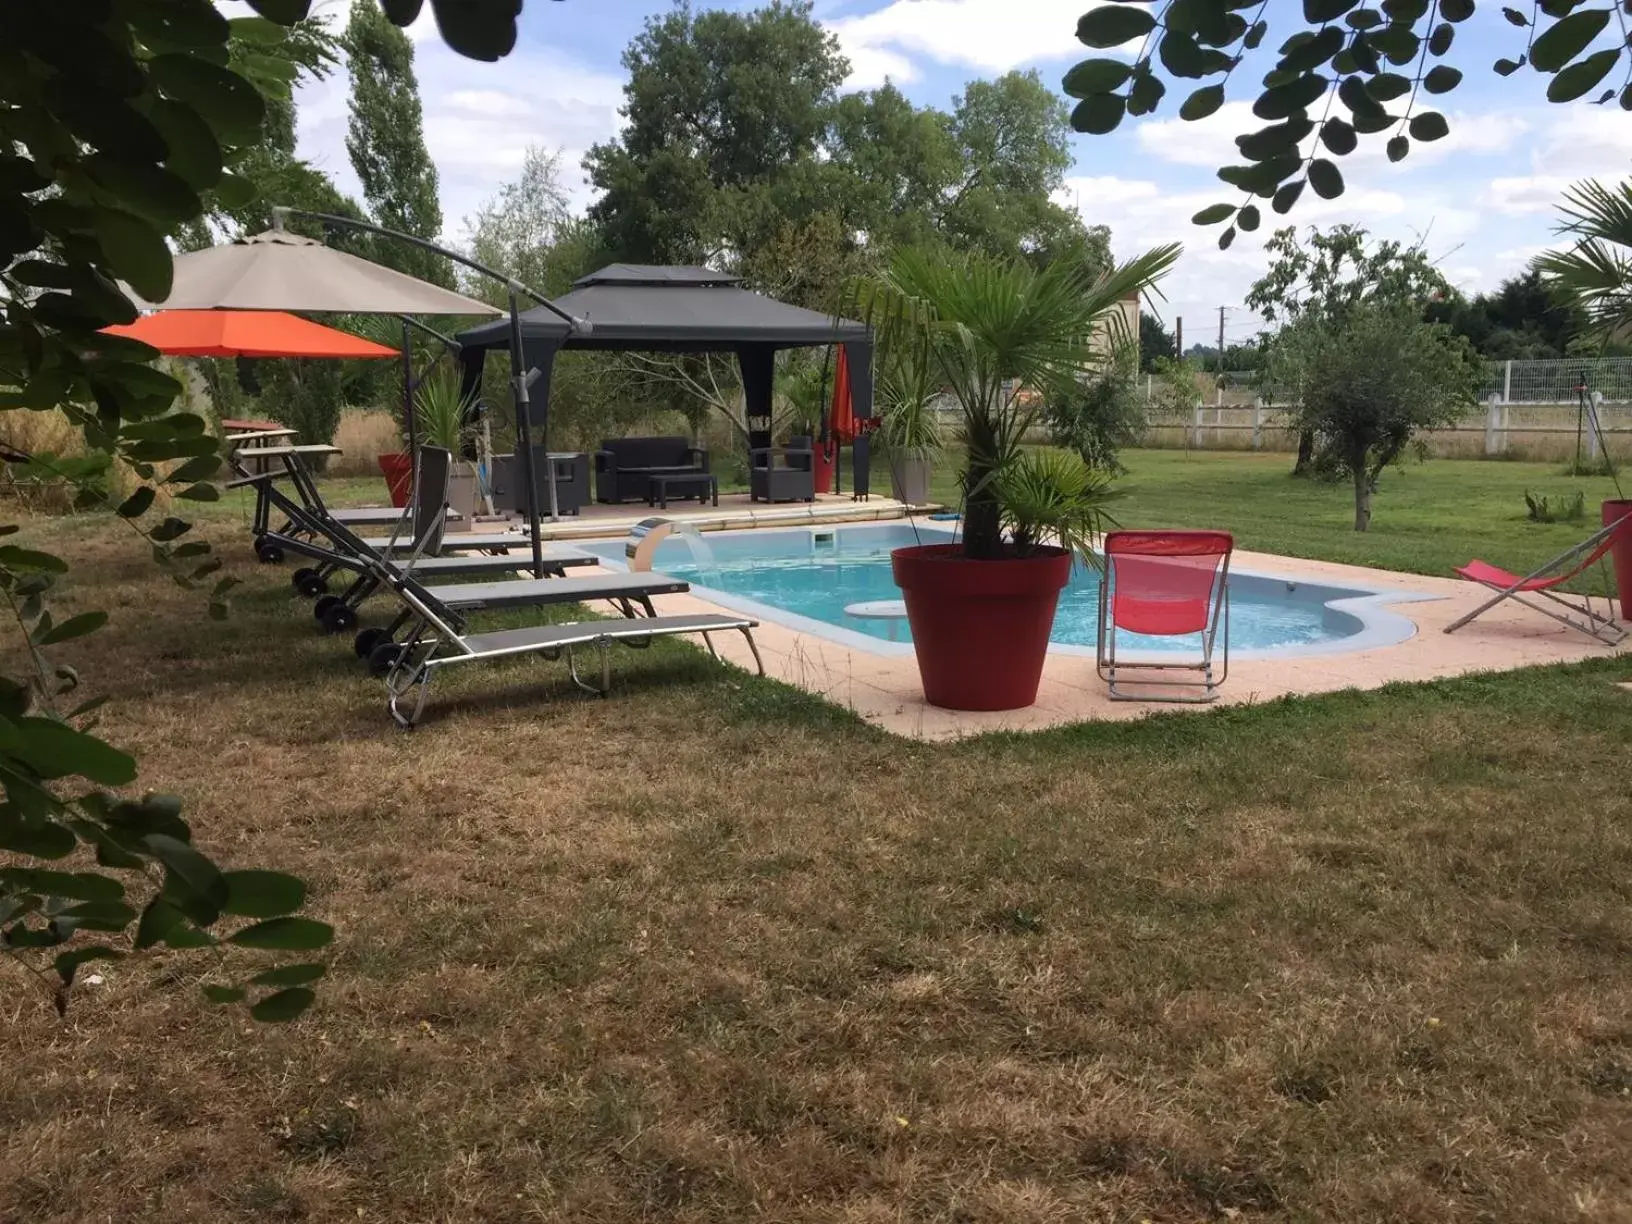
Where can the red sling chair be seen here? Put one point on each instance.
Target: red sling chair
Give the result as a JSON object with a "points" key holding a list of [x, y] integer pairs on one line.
{"points": [[1165, 583], [1544, 582]]}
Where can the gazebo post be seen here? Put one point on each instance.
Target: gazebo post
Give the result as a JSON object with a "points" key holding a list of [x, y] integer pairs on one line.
{"points": [[519, 378]]}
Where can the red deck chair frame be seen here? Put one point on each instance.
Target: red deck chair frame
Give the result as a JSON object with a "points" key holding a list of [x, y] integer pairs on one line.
{"points": [[1544, 582], [1166, 583]]}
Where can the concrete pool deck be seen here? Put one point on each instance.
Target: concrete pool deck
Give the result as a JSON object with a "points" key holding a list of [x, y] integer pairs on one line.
{"points": [[885, 691]]}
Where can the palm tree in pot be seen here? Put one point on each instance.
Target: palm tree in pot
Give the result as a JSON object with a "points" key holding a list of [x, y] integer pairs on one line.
{"points": [[445, 418], [1000, 336]]}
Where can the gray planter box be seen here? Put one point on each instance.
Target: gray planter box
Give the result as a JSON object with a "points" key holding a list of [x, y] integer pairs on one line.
{"points": [[909, 478]]}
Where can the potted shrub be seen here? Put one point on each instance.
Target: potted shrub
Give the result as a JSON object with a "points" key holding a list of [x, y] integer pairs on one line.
{"points": [[445, 419], [1000, 335], [909, 434]]}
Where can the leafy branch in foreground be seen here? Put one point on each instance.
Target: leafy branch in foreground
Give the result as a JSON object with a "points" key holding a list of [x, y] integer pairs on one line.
{"points": [[1344, 70]]}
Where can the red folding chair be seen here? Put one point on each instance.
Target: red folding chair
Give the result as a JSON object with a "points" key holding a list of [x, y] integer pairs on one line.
{"points": [[1578, 613], [1165, 584]]}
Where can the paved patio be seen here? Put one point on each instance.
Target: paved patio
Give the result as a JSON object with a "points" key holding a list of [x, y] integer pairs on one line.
{"points": [[598, 521], [886, 691]]}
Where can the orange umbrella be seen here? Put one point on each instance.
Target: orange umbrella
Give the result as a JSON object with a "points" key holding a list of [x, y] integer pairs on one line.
{"points": [[244, 333], [842, 417]]}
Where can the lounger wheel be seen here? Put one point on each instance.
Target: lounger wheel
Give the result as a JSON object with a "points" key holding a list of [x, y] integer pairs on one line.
{"points": [[323, 604], [338, 617], [269, 554], [309, 582], [365, 642], [383, 657]]}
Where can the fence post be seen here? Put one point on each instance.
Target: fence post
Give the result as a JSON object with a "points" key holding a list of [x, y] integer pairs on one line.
{"points": [[1593, 426], [1494, 434], [1507, 382], [1258, 423], [1200, 417], [1149, 385]]}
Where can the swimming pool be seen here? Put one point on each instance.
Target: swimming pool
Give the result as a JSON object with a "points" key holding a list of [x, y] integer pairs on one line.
{"points": [[806, 577]]}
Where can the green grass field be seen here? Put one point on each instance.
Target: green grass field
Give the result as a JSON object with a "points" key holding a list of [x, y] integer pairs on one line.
{"points": [[1427, 517]]}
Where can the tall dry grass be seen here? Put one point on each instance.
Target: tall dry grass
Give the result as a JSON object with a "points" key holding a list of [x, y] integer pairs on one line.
{"points": [[364, 434], [51, 433]]}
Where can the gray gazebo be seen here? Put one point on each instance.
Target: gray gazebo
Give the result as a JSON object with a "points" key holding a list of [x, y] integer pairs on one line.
{"points": [[635, 307]]}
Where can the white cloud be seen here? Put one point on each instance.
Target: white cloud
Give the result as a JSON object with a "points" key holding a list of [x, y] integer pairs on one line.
{"points": [[992, 36], [479, 119]]}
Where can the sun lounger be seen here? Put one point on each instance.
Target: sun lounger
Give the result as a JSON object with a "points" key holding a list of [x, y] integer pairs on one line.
{"points": [[1577, 611], [438, 643]]}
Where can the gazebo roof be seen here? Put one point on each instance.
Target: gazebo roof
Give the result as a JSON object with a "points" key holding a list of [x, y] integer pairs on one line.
{"points": [[641, 306]]}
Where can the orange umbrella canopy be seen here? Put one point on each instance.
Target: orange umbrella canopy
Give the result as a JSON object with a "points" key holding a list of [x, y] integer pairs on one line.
{"points": [[244, 333]]}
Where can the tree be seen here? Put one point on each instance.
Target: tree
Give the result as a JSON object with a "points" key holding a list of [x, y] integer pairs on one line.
{"points": [[519, 231], [1343, 72], [721, 108], [1372, 382], [893, 166], [1315, 287], [385, 139], [1595, 275], [1154, 341], [1524, 319], [1012, 137], [118, 119]]}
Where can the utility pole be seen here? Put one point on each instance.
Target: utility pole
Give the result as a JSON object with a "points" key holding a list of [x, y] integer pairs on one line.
{"points": [[1178, 336], [1221, 310]]}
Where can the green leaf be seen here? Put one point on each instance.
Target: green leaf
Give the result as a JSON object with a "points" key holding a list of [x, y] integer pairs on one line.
{"points": [[1507, 67], [1277, 140], [47, 840], [1325, 178], [285, 935], [136, 252], [258, 30], [263, 894], [1430, 125], [1226, 238], [1284, 101], [193, 152], [1203, 102], [1441, 39], [1398, 147], [1248, 218], [200, 492], [1287, 196], [1302, 53], [1339, 137], [283, 1006], [227, 102], [55, 750], [1583, 76], [1326, 10], [1398, 43], [72, 885], [1441, 78], [225, 994], [159, 920], [1386, 86], [25, 559], [201, 878], [159, 195], [189, 937], [137, 503], [170, 529], [101, 915], [1111, 25], [1567, 38], [200, 467], [1096, 76], [289, 975], [1099, 114], [73, 627], [236, 191], [1146, 91], [1213, 214]]}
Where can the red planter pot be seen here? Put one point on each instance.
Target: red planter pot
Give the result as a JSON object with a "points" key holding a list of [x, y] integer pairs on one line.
{"points": [[1621, 552], [398, 471], [980, 628], [823, 466]]}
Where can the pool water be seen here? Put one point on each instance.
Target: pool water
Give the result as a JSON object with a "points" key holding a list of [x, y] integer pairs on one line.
{"points": [[817, 573]]}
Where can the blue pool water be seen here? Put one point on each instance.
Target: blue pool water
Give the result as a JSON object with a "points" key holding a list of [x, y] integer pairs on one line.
{"points": [[816, 573]]}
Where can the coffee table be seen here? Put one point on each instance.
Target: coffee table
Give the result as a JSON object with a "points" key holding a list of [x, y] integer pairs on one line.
{"points": [[700, 485]]}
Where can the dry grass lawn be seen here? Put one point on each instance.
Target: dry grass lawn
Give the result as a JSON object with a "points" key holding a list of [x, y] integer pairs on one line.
{"points": [[712, 951]]}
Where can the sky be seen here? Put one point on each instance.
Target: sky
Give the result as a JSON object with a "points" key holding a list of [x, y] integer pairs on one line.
{"points": [[1482, 201]]}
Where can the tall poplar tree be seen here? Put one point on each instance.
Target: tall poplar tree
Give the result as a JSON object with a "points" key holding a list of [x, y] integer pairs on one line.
{"points": [[386, 141]]}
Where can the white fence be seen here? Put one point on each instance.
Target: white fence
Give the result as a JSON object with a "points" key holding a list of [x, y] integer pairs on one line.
{"points": [[1532, 410]]}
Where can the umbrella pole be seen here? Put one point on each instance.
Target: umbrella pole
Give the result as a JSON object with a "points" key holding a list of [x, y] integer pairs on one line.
{"points": [[519, 378], [408, 414]]}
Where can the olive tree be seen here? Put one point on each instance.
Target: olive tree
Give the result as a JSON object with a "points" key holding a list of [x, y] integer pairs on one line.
{"points": [[1373, 384]]}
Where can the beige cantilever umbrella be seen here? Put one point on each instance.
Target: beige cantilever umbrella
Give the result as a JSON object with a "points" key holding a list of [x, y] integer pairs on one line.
{"points": [[278, 270]]}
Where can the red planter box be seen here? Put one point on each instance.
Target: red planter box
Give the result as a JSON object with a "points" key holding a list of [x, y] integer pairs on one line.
{"points": [[399, 477], [980, 628], [1621, 552]]}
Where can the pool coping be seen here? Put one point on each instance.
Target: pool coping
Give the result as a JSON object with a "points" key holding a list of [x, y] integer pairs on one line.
{"points": [[1380, 625]]}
